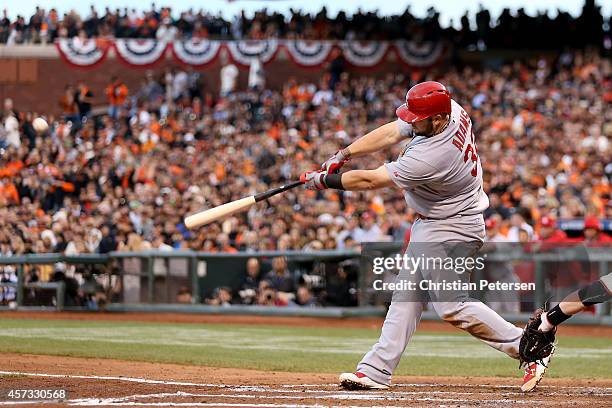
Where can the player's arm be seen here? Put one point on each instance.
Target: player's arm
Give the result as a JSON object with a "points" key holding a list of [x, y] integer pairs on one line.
{"points": [[574, 303], [537, 341], [406, 172], [354, 180], [380, 138]]}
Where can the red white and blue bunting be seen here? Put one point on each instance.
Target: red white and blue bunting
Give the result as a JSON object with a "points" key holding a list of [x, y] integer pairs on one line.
{"points": [[196, 52], [199, 53], [419, 54], [364, 54], [308, 53], [81, 53], [243, 52], [140, 53]]}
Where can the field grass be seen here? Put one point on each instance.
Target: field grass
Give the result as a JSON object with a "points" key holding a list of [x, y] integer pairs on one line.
{"points": [[299, 349]]}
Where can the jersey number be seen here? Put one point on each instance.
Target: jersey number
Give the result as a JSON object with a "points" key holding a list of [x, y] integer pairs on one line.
{"points": [[471, 153]]}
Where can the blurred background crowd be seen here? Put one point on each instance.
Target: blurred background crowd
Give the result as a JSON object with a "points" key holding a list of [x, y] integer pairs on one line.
{"points": [[125, 179], [121, 175], [508, 30]]}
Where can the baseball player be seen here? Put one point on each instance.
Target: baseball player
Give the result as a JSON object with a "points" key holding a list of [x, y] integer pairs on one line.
{"points": [[441, 176]]}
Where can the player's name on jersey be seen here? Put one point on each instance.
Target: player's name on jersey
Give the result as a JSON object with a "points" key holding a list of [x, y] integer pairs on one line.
{"points": [[444, 285]]}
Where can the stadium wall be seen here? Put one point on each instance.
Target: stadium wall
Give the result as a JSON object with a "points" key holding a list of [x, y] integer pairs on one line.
{"points": [[34, 76]]}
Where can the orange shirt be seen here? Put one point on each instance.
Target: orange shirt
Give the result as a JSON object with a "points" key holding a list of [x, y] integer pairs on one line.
{"points": [[9, 192], [11, 169], [117, 93]]}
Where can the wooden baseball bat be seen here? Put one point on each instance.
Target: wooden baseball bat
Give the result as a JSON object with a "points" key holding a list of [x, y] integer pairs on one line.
{"points": [[224, 210]]}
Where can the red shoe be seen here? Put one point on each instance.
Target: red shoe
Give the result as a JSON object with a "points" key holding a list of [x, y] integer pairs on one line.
{"points": [[359, 381], [534, 372]]}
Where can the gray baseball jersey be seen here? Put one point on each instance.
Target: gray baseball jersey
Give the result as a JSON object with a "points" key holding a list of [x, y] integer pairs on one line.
{"points": [[441, 175]]}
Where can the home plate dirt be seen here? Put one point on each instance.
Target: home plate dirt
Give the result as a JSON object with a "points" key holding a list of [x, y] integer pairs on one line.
{"points": [[99, 382]]}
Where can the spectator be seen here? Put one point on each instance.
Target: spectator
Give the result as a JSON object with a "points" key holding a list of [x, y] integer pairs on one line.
{"points": [[69, 105], [370, 231], [223, 244], [108, 242], [518, 224], [492, 230], [523, 236], [10, 134], [180, 84], [166, 31], [305, 298], [251, 280], [84, 99], [183, 295], [592, 232], [257, 76], [117, 93], [221, 297], [229, 77], [280, 278], [548, 232]]}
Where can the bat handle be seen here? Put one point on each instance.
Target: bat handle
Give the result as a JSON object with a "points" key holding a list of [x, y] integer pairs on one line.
{"points": [[267, 194]]}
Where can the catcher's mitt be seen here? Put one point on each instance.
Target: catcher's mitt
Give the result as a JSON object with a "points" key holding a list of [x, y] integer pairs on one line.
{"points": [[536, 345]]}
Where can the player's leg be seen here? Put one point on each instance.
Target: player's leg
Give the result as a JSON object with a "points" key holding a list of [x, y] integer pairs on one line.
{"points": [[400, 324], [456, 307], [486, 325], [483, 323], [597, 292]]}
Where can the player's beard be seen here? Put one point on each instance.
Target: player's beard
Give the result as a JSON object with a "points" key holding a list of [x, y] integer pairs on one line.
{"points": [[429, 129]]}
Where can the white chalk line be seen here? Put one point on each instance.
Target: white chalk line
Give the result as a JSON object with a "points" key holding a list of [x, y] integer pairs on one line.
{"points": [[263, 388], [289, 388], [125, 401], [364, 396], [414, 385]]}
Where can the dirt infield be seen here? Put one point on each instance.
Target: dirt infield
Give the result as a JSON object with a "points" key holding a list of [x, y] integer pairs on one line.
{"points": [[368, 322], [120, 383]]}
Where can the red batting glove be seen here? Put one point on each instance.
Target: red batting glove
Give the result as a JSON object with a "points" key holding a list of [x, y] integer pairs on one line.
{"points": [[314, 180], [334, 163]]}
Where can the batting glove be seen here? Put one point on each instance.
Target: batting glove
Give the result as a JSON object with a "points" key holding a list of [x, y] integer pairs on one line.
{"points": [[314, 180], [334, 163]]}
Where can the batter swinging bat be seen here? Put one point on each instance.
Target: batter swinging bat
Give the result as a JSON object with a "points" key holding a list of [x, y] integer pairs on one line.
{"points": [[224, 210]]}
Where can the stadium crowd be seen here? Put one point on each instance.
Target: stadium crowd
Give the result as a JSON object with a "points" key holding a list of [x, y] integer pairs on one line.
{"points": [[509, 30], [124, 180]]}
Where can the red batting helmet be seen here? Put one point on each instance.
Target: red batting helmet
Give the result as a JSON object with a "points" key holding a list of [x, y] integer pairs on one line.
{"points": [[423, 101]]}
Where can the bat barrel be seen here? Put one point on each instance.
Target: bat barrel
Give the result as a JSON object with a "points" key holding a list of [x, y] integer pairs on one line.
{"points": [[222, 211], [225, 210]]}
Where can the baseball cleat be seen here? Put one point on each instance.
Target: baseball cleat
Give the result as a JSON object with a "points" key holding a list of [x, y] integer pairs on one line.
{"points": [[359, 381], [534, 372]]}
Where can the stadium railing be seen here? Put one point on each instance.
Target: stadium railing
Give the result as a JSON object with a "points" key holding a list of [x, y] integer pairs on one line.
{"points": [[148, 281]]}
